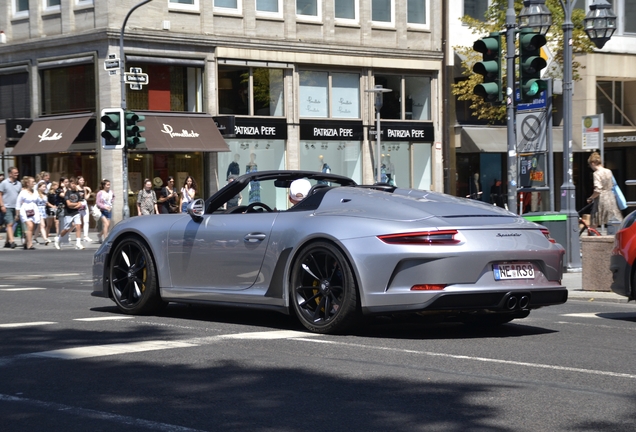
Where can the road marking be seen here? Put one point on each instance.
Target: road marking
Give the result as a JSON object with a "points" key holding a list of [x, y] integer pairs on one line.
{"points": [[277, 334], [22, 289], [104, 318], [26, 324], [100, 415], [583, 315], [480, 359], [109, 350]]}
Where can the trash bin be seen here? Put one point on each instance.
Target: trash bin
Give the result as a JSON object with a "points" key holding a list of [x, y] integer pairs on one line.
{"points": [[553, 221]]}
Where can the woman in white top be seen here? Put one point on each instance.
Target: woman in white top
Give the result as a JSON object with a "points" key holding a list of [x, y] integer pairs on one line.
{"points": [[84, 213], [188, 191], [42, 202], [28, 208]]}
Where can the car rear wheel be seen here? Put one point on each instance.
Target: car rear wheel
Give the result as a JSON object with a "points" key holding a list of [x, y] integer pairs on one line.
{"points": [[133, 278], [324, 293]]}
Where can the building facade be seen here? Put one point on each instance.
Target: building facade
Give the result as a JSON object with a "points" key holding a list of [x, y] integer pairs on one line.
{"points": [[233, 86]]}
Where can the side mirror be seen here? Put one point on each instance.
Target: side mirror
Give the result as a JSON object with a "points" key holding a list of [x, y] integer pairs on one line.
{"points": [[196, 210]]}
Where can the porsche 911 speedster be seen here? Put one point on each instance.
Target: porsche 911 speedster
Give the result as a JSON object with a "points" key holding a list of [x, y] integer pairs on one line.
{"points": [[344, 251]]}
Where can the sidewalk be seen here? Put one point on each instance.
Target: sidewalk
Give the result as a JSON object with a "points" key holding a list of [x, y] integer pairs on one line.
{"points": [[40, 246], [574, 283]]}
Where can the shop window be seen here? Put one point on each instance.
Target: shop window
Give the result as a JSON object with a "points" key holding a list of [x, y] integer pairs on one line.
{"points": [[14, 94], [329, 95], [346, 10], [336, 157], [409, 98], [170, 88], [609, 101], [68, 89], [476, 8], [416, 12], [382, 12], [251, 91]]}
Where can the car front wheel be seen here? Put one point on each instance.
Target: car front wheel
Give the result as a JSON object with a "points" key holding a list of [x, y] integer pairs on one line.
{"points": [[133, 278], [324, 293]]}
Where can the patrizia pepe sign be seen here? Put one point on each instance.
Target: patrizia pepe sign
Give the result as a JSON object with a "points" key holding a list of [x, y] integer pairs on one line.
{"points": [[331, 130], [405, 131], [167, 129]]}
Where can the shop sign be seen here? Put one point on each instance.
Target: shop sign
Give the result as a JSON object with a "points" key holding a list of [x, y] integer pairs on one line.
{"points": [[404, 131], [626, 138], [226, 125], [16, 128], [48, 135], [260, 128], [169, 130], [331, 130]]}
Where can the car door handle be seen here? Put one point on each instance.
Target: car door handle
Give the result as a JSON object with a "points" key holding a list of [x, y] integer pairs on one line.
{"points": [[255, 237]]}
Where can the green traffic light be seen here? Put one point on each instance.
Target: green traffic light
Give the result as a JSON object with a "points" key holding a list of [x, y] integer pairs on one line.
{"points": [[530, 64], [489, 68]]}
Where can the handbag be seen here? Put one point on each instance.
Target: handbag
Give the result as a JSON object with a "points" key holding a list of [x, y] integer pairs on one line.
{"points": [[96, 213], [618, 193], [173, 208]]}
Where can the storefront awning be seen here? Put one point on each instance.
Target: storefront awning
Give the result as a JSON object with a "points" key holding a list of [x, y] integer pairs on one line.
{"points": [[182, 133], [494, 139], [51, 135]]}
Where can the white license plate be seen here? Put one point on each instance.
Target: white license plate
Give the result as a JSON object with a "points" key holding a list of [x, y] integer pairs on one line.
{"points": [[520, 270]]}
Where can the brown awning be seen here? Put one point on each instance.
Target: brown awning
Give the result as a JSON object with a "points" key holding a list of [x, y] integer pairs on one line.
{"points": [[182, 133], [51, 135]]}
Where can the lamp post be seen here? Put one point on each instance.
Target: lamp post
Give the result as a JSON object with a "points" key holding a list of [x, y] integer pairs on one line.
{"points": [[378, 90], [600, 15]]}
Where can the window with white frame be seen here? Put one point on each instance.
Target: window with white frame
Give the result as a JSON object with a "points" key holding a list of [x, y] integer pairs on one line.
{"points": [[382, 12], [83, 2], [52, 5], [629, 20], [346, 10], [475, 8], [228, 6], [269, 7], [409, 98], [416, 13], [191, 5], [308, 9], [20, 8]]}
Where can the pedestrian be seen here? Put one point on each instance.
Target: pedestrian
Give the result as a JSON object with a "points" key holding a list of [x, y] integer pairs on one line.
{"points": [[147, 200], [46, 176], [298, 190], [60, 193], [42, 203], [72, 205], [104, 202], [26, 205], [604, 208], [84, 213], [9, 190], [188, 191], [51, 207], [169, 199]]}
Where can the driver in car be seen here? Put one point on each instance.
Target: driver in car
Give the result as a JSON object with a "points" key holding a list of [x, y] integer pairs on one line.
{"points": [[298, 190]]}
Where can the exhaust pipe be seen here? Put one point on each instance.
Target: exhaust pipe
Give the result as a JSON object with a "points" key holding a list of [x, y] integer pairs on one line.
{"points": [[524, 301], [516, 301], [511, 303]]}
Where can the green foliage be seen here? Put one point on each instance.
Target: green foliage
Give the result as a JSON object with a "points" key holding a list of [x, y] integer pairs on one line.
{"points": [[495, 20]]}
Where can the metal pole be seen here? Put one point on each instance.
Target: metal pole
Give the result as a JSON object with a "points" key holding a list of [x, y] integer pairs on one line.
{"points": [[568, 204], [548, 117], [510, 106], [378, 132], [122, 70]]}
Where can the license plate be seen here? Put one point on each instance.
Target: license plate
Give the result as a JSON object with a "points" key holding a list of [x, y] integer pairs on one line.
{"points": [[509, 271]]}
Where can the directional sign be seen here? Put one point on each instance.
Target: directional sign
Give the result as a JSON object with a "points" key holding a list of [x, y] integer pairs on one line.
{"points": [[110, 64], [531, 132], [136, 78], [539, 102]]}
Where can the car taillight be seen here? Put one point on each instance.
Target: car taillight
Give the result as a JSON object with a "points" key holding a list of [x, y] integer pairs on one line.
{"points": [[428, 287], [443, 237], [546, 233]]}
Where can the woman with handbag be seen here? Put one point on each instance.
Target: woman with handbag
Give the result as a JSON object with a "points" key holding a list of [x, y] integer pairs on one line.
{"points": [[29, 212], [605, 207], [147, 200], [169, 199]]}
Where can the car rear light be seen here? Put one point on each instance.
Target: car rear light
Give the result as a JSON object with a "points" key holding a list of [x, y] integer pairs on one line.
{"points": [[428, 287], [546, 233], [443, 237]]}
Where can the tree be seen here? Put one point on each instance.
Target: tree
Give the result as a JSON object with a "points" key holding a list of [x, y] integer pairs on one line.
{"points": [[495, 20]]}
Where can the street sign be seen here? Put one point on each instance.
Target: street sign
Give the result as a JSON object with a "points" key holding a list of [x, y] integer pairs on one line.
{"points": [[111, 64], [136, 86], [592, 132], [540, 102], [132, 78], [531, 132]]}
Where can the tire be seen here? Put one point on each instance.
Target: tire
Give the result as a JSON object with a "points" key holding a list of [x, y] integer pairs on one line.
{"points": [[323, 289], [133, 279]]}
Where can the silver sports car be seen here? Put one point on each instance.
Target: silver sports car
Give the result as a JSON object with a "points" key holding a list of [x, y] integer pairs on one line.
{"points": [[344, 251]]}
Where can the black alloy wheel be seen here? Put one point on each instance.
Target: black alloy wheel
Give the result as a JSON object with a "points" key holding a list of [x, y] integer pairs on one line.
{"points": [[323, 289], [133, 278]]}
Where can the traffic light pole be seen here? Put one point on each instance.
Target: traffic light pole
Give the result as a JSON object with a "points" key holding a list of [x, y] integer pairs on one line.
{"points": [[122, 73], [510, 106]]}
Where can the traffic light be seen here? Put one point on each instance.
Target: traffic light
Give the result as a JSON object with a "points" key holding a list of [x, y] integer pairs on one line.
{"points": [[530, 65], [112, 128], [489, 67], [133, 130]]}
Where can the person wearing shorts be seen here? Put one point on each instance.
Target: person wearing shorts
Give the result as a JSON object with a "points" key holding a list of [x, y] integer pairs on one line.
{"points": [[72, 218]]}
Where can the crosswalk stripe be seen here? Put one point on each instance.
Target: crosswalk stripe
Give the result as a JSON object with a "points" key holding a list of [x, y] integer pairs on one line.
{"points": [[108, 318], [108, 350], [27, 324], [22, 289], [583, 315]]}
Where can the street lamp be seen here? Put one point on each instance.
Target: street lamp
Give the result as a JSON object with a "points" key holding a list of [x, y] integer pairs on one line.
{"points": [[535, 15], [600, 24], [378, 90]]}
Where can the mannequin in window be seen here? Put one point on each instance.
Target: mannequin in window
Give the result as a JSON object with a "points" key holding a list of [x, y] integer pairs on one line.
{"points": [[255, 186], [233, 168], [324, 167], [474, 187], [389, 169]]}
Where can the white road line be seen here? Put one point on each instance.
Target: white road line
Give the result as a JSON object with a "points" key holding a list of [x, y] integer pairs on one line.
{"points": [[109, 350], [22, 289], [26, 324], [104, 318], [583, 315], [480, 359], [100, 415], [277, 334]]}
